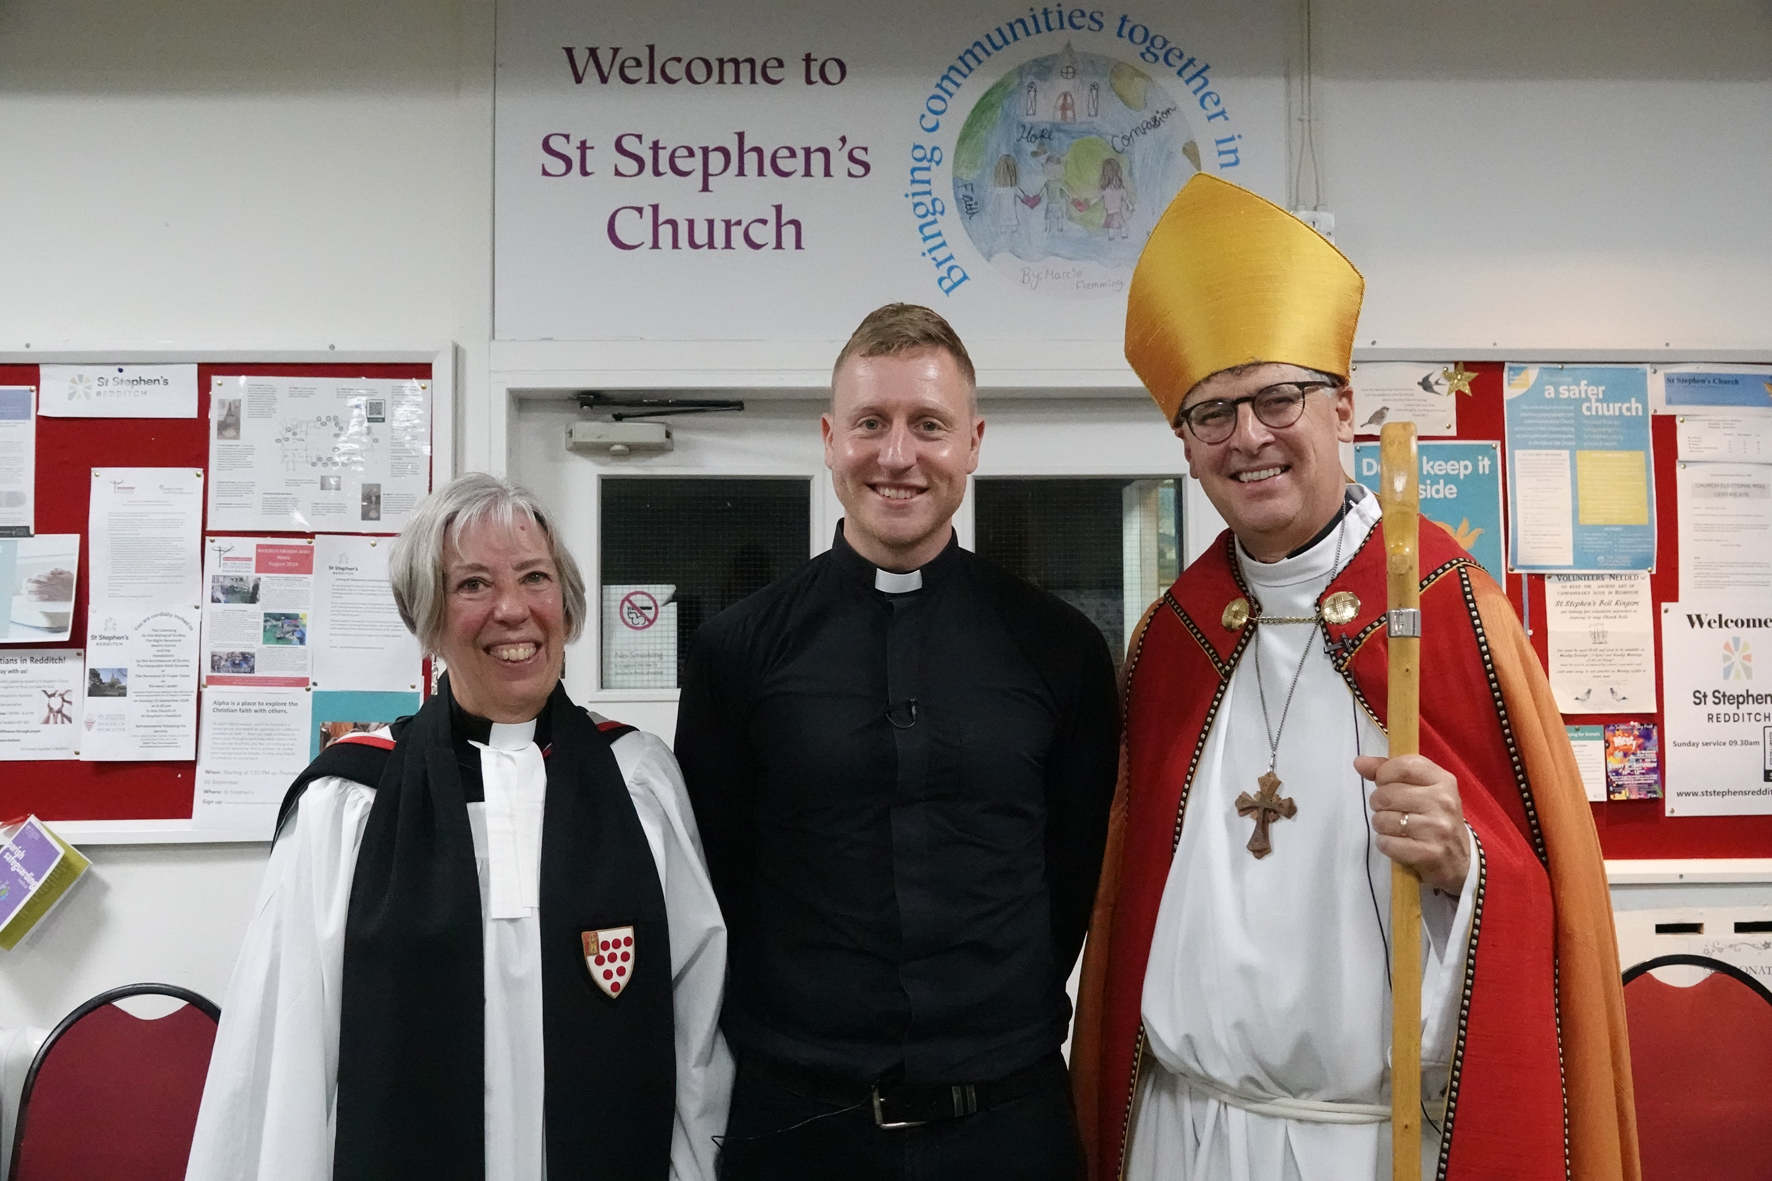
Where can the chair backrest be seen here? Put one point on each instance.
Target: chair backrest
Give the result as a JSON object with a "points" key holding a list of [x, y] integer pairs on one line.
{"points": [[112, 1097], [1701, 1060]]}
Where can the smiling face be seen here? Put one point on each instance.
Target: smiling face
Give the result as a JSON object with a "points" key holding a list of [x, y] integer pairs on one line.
{"points": [[504, 621], [1275, 488], [900, 439]]}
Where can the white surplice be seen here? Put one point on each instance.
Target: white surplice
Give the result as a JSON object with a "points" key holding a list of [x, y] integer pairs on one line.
{"points": [[268, 1106], [1266, 1005]]}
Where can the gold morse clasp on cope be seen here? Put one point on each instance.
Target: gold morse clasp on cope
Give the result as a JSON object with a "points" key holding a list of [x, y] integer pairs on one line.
{"points": [[1236, 614], [1341, 607]]}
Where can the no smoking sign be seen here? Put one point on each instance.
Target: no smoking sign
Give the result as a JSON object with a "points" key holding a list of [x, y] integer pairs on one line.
{"points": [[638, 610]]}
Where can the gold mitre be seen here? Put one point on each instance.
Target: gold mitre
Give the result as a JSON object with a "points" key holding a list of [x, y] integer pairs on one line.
{"points": [[1228, 278]]}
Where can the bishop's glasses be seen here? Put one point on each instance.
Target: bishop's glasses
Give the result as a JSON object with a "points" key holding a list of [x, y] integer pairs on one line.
{"points": [[1277, 406]]}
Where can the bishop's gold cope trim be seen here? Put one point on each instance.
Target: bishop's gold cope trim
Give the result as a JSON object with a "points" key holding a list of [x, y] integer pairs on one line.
{"points": [[1228, 278], [1339, 608]]}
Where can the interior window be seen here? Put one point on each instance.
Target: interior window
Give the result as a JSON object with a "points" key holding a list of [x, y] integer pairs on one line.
{"points": [[676, 552], [1106, 546]]}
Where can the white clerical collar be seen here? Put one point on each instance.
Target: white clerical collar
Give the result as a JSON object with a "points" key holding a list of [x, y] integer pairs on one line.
{"points": [[1318, 564], [897, 584], [511, 735]]}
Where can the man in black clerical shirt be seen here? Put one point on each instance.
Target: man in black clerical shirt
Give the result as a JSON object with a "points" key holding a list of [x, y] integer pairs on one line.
{"points": [[901, 760]]}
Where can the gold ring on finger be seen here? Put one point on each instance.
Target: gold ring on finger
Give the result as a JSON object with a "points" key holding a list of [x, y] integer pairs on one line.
{"points": [[1405, 824]]}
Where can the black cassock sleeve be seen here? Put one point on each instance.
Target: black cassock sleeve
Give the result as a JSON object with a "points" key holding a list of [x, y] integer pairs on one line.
{"points": [[717, 767], [1080, 776]]}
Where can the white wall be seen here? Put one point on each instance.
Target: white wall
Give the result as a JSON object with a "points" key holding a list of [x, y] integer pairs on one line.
{"points": [[204, 175], [1581, 175]]}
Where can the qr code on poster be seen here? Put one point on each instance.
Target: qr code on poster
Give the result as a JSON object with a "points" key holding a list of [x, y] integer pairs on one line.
{"points": [[376, 410]]}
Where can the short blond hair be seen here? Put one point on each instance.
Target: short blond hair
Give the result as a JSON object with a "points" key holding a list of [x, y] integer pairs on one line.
{"points": [[899, 328]]}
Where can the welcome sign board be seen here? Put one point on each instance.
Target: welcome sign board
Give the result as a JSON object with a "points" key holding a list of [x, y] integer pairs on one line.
{"points": [[775, 171]]}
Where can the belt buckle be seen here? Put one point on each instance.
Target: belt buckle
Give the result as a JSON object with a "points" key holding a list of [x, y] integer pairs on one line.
{"points": [[880, 1120]]}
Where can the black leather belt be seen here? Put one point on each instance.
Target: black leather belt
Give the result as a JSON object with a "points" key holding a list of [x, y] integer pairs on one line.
{"points": [[896, 1105]]}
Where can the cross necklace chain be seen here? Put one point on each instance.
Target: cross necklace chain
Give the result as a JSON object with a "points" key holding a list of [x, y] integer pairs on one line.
{"points": [[1266, 805]]}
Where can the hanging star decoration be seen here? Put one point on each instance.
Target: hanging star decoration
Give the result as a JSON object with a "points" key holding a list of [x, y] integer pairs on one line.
{"points": [[1458, 379]]}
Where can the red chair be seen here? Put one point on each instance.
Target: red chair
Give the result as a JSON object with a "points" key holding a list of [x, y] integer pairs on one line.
{"points": [[111, 1097], [1701, 1058]]}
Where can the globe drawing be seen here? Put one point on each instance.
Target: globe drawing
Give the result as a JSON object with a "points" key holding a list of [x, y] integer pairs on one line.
{"points": [[1064, 166]]}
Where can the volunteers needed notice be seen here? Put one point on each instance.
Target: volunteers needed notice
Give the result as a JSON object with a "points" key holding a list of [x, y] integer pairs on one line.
{"points": [[1602, 642]]}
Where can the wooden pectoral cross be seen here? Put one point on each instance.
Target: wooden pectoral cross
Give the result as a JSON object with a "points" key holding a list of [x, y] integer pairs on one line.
{"points": [[1266, 806]]}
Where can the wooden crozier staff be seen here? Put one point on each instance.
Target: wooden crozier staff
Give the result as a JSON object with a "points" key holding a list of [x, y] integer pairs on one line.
{"points": [[1400, 499]]}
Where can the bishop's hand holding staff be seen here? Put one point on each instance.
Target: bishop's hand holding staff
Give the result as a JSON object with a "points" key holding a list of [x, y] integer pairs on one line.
{"points": [[486, 948], [1234, 1019]]}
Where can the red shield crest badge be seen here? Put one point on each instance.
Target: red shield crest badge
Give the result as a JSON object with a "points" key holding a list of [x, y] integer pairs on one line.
{"points": [[609, 954]]}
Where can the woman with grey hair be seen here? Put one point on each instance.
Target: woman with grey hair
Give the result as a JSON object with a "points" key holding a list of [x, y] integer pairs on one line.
{"points": [[486, 947]]}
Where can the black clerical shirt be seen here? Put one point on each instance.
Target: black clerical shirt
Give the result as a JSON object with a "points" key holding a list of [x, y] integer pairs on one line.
{"points": [[903, 799]]}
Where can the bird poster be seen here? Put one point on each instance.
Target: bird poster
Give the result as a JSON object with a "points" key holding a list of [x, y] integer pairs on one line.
{"points": [[1602, 642], [1422, 392]]}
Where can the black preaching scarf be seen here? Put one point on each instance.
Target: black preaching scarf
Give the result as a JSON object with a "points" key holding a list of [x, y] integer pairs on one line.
{"points": [[411, 1060]]}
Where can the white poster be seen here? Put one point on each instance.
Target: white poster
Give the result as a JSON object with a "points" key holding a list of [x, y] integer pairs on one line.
{"points": [[141, 684], [317, 454], [1724, 438], [18, 460], [1602, 642], [254, 743], [40, 704], [37, 578], [1725, 527], [118, 391], [259, 611], [145, 526], [751, 171], [1717, 748], [1422, 392], [359, 643], [640, 636]]}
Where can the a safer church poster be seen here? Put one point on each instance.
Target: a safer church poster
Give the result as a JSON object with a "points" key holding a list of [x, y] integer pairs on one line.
{"points": [[1581, 494], [770, 171]]}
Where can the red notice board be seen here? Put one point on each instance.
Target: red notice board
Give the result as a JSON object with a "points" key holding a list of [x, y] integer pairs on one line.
{"points": [[1629, 829], [67, 451]]}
